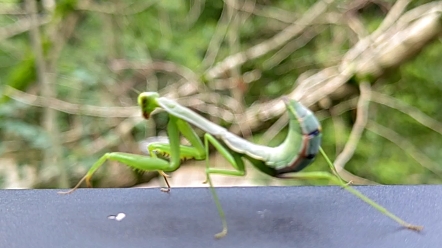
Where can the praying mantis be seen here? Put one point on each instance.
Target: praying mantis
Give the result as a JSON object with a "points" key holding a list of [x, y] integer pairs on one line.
{"points": [[283, 161]]}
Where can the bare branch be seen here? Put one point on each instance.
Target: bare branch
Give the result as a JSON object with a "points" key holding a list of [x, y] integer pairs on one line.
{"points": [[217, 38], [264, 11], [52, 157], [275, 129], [355, 136], [271, 44], [70, 108], [411, 111], [339, 128], [22, 25], [111, 8], [122, 129], [121, 112], [291, 47], [366, 58], [166, 66], [11, 9], [194, 13], [405, 145], [393, 15]]}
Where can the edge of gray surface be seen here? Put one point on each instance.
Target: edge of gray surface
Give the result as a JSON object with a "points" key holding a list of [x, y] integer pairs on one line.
{"points": [[187, 217]]}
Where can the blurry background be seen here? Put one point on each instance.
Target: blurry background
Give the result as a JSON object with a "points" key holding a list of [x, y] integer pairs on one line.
{"points": [[71, 70]]}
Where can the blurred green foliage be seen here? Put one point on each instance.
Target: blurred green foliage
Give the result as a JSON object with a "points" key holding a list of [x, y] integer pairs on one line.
{"points": [[182, 32]]}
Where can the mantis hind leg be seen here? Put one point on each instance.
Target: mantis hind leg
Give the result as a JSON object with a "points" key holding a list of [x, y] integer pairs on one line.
{"points": [[338, 181], [235, 160], [332, 167]]}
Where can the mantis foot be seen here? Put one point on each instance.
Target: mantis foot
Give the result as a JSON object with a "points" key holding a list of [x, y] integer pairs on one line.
{"points": [[165, 176], [222, 234], [414, 227], [76, 186]]}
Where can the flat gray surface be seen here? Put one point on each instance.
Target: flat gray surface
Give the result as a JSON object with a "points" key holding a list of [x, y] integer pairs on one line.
{"points": [[257, 217]]}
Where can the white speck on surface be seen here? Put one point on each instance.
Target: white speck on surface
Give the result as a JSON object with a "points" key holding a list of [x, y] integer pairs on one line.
{"points": [[118, 217], [262, 213]]}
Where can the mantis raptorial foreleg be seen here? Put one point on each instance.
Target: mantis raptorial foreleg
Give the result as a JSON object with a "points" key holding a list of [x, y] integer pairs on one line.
{"points": [[153, 163], [135, 161]]}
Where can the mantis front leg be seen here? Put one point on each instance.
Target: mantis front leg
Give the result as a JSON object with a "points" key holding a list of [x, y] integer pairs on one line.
{"points": [[139, 162], [153, 163]]}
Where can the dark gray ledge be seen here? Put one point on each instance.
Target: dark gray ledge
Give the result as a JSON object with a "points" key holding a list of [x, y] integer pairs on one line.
{"points": [[257, 217]]}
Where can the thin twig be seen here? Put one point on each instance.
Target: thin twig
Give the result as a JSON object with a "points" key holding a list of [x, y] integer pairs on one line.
{"points": [[271, 44], [274, 129], [406, 146], [345, 106], [289, 48], [165, 66], [217, 38], [355, 136], [11, 9], [393, 15], [113, 9], [52, 157], [339, 128], [121, 130], [264, 11], [391, 51], [194, 13], [22, 25], [411, 111], [237, 92], [70, 108], [113, 112]]}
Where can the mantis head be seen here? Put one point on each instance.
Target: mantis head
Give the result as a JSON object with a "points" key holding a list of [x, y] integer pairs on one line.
{"points": [[148, 103]]}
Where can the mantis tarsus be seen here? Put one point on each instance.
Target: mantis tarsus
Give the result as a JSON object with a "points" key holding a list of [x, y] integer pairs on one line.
{"points": [[289, 157]]}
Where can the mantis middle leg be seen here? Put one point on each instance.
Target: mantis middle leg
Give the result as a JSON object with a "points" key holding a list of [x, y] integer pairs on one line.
{"points": [[239, 170]]}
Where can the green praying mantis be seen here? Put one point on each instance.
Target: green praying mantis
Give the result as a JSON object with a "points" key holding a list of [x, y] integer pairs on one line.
{"points": [[283, 161]]}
